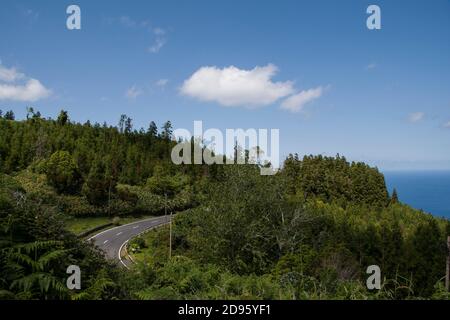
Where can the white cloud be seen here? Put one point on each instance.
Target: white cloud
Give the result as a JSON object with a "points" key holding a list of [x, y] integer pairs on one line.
{"points": [[157, 33], [133, 92], [157, 45], [162, 82], [31, 91], [447, 125], [160, 40], [233, 87], [10, 75], [28, 90], [415, 117], [296, 102]]}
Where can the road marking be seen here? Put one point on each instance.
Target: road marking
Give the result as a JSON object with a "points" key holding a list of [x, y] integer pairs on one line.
{"points": [[124, 225], [120, 258], [119, 233], [159, 221]]}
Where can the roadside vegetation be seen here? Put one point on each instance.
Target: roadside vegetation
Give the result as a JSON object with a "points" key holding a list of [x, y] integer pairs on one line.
{"points": [[308, 232]]}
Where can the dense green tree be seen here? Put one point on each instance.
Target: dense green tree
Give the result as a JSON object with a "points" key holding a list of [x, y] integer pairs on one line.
{"points": [[308, 232], [152, 129], [35, 251], [9, 115], [427, 261], [62, 172], [63, 118], [99, 183], [163, 183], [166, 130], [394, 197], [335, 180]]}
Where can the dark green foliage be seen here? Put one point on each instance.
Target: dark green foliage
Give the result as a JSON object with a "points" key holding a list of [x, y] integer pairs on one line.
{"points": [[9, 115], [162, 183], [63, 118], [308, 232], [166, 131], [62, 172], [130, 154], [99, 183], [35, 251], [427, 259], [335, 180], [311, 248], [394, 197], [152, 130]]}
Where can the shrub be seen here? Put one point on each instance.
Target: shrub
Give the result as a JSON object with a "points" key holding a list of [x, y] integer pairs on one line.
{"points": [[62, 173]]}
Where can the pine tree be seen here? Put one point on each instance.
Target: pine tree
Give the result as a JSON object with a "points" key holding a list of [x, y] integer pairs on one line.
{"points": [[167, 131], [394, 197], [63, 118], [99, 183], [9, 115], [152, 129]]}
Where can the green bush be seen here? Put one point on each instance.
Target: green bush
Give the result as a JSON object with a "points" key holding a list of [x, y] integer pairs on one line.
{"points": [[62, 172]]}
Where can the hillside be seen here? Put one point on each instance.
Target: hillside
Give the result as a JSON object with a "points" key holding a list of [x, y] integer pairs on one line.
{"points": [[308, 232]]}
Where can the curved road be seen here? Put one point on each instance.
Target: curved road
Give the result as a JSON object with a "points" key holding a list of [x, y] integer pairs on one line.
{"points": [[112, 240]]}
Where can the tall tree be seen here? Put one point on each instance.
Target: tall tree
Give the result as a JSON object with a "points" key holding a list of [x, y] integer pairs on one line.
{"points": [[63, 118], [152, 129], [62, 172], [167, 130], [394, 197], [9, 115]]}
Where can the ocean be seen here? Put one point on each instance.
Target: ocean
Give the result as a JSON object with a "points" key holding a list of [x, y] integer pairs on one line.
{"points": [[426, 190]]}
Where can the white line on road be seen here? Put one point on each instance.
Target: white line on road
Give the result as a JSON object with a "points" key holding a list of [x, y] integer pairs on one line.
{"points": [[124, 225], [119, 233], [136, 227], [105, 241], [120, 258]]}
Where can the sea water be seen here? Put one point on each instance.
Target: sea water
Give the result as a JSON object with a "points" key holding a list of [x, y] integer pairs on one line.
{"points": [[426, 190]]}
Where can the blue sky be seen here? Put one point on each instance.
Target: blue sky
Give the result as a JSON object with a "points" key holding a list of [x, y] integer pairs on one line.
{"points": [[310, 68]]}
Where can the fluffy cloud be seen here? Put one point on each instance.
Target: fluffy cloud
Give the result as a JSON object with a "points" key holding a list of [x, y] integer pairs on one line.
{"points": [[296, 102], [233, 87], [10, 75], [415, 117], [133, 92], [29, 90]]}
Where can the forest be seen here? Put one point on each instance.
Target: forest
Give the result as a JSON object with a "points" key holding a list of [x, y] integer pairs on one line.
{"points": [[308, 232]]}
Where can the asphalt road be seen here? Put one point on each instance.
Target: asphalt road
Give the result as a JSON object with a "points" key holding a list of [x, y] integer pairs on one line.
{"points": [[112, 240]]}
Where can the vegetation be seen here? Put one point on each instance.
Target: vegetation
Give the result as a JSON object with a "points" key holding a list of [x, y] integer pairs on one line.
{"points": [[308, 232]]}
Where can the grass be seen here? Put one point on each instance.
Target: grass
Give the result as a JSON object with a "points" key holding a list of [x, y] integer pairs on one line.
{"points": [[156, 246], [79, 225]]}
